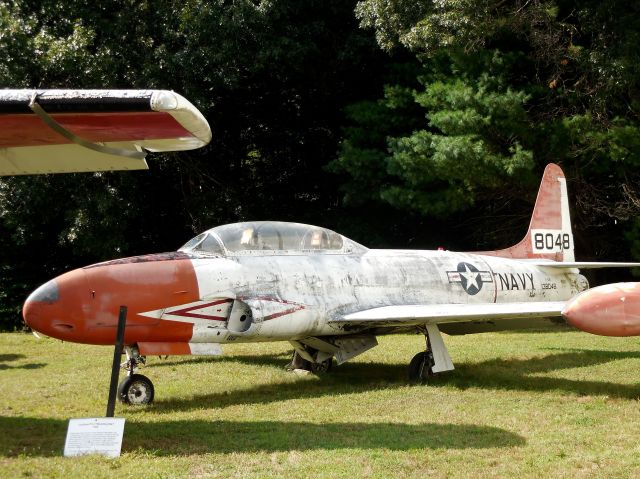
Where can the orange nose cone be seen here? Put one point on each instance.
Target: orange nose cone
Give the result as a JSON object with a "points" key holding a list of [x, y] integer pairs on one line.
{"points": [[609, 310], [46, 294], [57, 308], [83, 305]]}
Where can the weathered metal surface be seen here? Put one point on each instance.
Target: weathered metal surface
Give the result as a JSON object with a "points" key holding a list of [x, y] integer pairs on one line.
{"points": [[549, 235], [441, 359], [283, 297], [352, 346]]}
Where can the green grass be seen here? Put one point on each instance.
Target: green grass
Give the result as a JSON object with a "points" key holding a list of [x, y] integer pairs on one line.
{"points": [[556, 403]]}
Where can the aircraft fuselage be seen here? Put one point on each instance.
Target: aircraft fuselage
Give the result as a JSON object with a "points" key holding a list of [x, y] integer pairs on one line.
{"points": [[179, 298]]}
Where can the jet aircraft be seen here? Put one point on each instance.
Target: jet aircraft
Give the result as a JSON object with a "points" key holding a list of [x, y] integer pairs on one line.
{"points": [[328, 296]]}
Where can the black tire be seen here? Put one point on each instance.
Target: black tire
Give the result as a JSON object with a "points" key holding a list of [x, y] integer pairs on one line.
{"points": [[136, 390], [323, 367], [420, 367]]}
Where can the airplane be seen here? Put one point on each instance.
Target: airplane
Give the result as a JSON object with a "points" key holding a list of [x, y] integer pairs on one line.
{"points": [[327, 295]]}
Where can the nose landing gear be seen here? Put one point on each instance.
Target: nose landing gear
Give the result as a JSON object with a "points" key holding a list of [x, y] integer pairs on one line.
{"points": [[134, 389]]}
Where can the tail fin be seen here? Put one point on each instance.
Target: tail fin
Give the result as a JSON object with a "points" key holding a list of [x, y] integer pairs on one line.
{"points": [[549, 235]]}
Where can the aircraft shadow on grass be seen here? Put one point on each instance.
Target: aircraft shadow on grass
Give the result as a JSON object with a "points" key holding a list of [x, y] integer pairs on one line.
{"points": [[6, 358], [278, 360], [528, 374], [353, 378], [45, 437]]}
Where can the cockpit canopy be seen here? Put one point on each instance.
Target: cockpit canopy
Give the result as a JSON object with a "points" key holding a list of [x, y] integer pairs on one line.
{"points": [[269, 237]]}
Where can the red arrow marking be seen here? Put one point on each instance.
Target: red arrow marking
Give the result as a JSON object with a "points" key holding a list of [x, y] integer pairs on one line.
{"points": [[186, 312]]}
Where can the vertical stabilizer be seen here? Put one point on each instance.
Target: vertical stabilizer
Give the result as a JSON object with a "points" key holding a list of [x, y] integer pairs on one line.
{"points": [[549, 235]]}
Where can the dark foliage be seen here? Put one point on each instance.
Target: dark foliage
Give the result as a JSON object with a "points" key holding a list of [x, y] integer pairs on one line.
{"points": [[452, 115]]}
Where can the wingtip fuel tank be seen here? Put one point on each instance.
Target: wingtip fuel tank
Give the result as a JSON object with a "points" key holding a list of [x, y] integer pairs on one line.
{"points": [[609, 310]]}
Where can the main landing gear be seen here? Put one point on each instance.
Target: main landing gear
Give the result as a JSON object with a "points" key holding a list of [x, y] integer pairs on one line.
{"points": [[421, 366], [299, 362], [134, 389], [435, 359]]}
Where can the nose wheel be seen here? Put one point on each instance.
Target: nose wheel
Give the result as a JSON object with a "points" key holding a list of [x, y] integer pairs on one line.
{"points": [[134, 389]]}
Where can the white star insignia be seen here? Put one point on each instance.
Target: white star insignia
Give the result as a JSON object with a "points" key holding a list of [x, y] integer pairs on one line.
{"points": [[471, 277]]}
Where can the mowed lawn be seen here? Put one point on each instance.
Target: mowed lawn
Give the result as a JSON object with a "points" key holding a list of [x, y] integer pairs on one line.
{"points": [[557, 403]]}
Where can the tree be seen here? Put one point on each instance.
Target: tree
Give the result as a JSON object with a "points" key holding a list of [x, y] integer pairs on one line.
{"points": [[477, 132], [506, 87], [270, 76]]}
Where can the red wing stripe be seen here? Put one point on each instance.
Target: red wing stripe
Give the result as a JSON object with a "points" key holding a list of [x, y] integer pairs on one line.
{"points": [[29, 130], [283, 313], [186, 312]]}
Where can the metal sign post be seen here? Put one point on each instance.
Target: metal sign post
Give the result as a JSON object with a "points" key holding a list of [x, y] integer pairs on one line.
{"points": [[117, 356]]}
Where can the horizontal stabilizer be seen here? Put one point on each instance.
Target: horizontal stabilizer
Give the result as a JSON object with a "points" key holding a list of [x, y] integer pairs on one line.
{"points": [[419, 314], [64, 131], [581, 265]]}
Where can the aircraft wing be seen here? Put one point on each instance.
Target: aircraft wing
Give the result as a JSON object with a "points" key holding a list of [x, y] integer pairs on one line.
{"points": [[63, 131], [423, 314]]}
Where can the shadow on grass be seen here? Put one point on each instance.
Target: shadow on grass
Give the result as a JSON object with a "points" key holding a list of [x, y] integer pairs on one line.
{"points": [[528, 374], [559, 327], [45, 437], [10, 357], [5, 358], [277, 360], [350, 378]]}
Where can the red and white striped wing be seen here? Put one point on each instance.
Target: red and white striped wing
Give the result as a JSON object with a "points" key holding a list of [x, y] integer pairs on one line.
{"points": [[93, 130]]}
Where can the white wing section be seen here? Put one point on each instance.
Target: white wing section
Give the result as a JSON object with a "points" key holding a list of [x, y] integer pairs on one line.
{"points": [[424, 314]]}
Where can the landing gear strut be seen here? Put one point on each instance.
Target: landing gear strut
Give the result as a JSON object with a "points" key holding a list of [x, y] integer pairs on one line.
{"points": [[299, 362], [134, 389], [433, 360]]}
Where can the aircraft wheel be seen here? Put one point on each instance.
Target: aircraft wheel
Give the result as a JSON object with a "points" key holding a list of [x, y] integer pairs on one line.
{"points": [[420, 367], [136, 390], [323, 367], [297, 362]]}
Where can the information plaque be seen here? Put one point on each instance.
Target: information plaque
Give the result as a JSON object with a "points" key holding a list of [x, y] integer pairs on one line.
{"points": [[101, 435]]}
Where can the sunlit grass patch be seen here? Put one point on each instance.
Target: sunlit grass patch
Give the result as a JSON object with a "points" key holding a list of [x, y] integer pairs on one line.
{"points": [[555, 402]]}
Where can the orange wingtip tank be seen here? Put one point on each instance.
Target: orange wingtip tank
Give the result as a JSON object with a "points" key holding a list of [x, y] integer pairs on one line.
{"points": [[609, 310]]}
